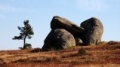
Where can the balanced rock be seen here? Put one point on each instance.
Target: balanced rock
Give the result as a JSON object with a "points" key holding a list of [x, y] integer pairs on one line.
{"points": [[58, 39], [59, 22], [94, 31]]}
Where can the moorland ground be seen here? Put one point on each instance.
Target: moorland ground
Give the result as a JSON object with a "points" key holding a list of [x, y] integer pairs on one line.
{"points": [[103, 55]]}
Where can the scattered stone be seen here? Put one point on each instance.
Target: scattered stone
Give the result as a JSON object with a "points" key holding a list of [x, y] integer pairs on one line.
{"points": [[79, 41]]}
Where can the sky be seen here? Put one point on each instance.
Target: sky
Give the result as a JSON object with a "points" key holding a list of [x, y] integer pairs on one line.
{"points": [[40, 13]]}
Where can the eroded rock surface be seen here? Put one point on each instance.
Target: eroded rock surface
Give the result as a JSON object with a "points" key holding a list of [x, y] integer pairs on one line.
{"points": [[58, 39], [94, 31]]}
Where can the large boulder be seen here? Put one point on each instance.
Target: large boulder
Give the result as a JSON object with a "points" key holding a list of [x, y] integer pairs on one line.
{"points": [[94, 31], [59, 22], [58, 39]]}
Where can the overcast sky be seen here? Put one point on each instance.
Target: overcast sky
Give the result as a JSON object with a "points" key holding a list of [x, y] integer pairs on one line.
{"points": [[40, 13]]}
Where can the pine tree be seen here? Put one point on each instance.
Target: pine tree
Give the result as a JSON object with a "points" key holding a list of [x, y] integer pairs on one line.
{"points": [[25, 32]]}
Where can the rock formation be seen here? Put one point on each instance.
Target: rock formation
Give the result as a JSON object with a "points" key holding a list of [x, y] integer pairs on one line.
{"points": [[94, 31], [58, 22], [58, 39], [66, 34]]}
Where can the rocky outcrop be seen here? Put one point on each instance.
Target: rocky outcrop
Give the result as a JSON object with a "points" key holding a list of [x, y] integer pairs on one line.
{"points": [[94, 31], [58, 39], [66, 34], [58, 22]]}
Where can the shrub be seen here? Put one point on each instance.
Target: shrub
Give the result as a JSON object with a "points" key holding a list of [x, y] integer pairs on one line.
{"points": [[102, 43], [26, 46], [81, 51], [113, 42], [36, 50]]}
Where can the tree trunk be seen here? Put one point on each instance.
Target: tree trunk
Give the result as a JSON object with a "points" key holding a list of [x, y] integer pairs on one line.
{"points": [[24, 42]]}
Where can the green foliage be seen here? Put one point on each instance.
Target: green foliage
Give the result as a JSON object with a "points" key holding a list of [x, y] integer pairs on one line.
{"points": [[81, 51], [27, 46], [25, 32]]}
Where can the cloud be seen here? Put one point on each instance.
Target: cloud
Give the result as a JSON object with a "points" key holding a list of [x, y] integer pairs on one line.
{"points": [[9, 8], [92, 5]]}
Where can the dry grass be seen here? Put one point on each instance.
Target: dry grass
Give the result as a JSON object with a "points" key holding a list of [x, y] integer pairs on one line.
{"points": [[106, 55]]}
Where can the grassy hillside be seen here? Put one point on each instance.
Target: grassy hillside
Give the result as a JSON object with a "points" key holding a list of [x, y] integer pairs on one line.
{"points": [[103, 55]]}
